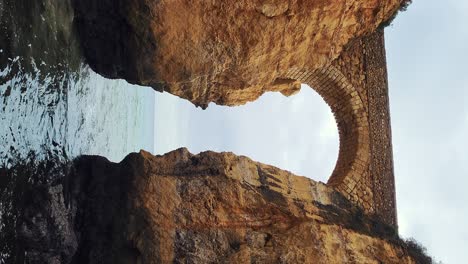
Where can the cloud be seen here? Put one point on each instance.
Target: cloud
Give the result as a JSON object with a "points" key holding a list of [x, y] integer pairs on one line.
{"points": [[296, 133], [427, 76]]}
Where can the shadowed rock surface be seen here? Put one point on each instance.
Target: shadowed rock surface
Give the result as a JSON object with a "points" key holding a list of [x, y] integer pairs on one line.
{"points": [[227, 52], [184, 208]]}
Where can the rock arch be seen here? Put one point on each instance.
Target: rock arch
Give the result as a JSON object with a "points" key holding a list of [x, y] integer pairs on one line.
{"points": [[356, 89], [350, 173], [232, 52]]}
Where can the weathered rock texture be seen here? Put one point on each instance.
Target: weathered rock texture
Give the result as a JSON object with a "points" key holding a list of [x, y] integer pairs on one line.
{"points": [[206, 208], [231, 52], [227, 52], [356, 89]]}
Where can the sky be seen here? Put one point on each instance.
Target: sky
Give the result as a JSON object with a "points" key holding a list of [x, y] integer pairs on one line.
{"points": [[296, 133], [428, 78], [428, 82]]}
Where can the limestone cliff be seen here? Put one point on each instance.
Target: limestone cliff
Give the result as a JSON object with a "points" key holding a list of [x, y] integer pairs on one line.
{"points": [[227, 52], [205, 208], [231, 52]]}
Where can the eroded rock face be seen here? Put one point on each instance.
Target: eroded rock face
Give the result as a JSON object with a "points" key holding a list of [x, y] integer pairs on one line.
{"points": [[206, 208], [227, 52]]}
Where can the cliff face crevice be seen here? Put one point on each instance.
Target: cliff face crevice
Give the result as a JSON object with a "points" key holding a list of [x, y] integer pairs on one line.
{"points": [[224, 52], [205, 208]]}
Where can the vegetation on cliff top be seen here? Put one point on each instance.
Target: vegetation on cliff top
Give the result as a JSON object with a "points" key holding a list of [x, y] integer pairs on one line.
{"points": [[403, 7], [417, 251]]}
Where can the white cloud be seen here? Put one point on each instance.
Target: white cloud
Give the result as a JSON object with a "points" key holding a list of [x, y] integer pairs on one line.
{"points": [[427, 79], [329, 130], [296, 133]]}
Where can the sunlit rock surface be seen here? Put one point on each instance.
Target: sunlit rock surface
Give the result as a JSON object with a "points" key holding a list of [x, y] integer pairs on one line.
{"points": [[184, 208], [227, 52]]}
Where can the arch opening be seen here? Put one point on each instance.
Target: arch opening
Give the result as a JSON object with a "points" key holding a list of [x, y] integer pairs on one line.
{"points": [[236, 129], [351, 174], [271, 130]]}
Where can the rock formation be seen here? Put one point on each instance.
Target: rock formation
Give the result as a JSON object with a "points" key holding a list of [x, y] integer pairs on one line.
{"points": [[227, 52], [232, 52], [205, 208], [218, 207]]}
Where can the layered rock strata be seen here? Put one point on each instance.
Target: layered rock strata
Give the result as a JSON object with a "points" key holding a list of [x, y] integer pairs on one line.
{"points": [[205, 208], [227, 52]]}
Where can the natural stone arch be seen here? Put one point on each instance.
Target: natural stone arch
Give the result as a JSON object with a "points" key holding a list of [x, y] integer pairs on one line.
{"points": [[351, 174], [355, 86], [231, 52]]}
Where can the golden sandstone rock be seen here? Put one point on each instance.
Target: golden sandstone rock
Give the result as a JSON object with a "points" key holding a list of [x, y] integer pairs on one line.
{"points": [[184, 208], [219, 208], [227, 52], [231, 52]]}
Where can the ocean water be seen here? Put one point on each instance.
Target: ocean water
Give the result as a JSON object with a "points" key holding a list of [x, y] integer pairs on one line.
{"points": [[52, 103], [53, 108], [88, 114]]}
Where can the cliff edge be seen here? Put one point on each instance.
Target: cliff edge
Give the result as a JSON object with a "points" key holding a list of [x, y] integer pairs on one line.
{"points": [[205, 208], [226, 52]]}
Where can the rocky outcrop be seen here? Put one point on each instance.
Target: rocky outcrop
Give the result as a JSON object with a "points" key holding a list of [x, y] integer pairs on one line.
{"points": [[205, 208], [227, 52], [232, 52]]}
